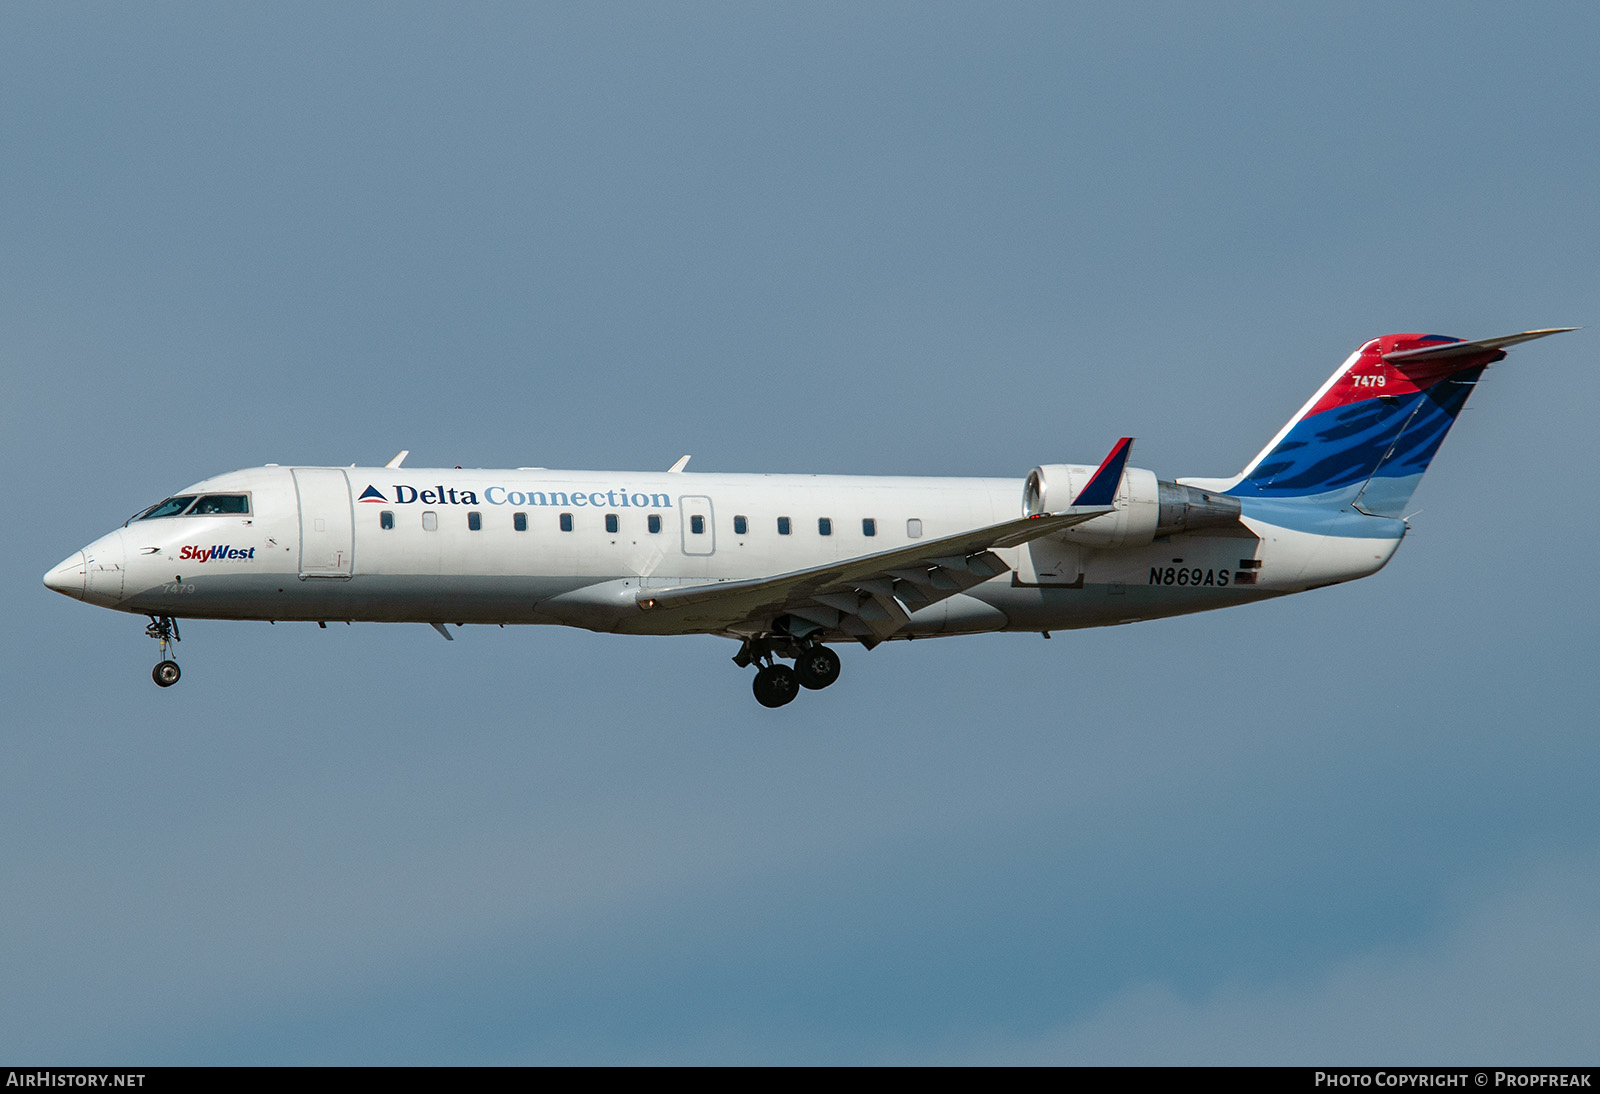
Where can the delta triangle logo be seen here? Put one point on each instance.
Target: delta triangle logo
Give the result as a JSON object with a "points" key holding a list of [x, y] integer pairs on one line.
{"points": [[371, 493]]}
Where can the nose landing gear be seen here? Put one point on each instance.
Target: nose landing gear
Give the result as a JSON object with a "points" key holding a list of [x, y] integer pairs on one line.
{"points": [[164, 629]]}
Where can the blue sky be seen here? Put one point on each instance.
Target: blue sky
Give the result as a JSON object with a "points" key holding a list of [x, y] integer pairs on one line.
{"points": [[1352, 826]]}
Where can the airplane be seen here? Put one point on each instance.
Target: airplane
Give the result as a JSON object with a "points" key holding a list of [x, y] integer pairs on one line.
{"points": [[790, 565]]}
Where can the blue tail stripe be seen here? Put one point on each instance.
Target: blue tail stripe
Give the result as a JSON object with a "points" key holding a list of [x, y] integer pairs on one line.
{"points": [[1334, 453]]}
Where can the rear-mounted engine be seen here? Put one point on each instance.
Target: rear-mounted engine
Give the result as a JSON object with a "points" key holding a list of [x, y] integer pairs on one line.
{"points": [[1146, 506]]}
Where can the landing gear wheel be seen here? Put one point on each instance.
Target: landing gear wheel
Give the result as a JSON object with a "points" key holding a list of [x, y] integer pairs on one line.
{"points": [[775, 685], [817, 667], [164, 629]]}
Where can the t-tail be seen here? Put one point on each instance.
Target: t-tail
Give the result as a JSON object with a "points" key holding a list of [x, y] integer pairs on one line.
{"points": [[1362, 442]]}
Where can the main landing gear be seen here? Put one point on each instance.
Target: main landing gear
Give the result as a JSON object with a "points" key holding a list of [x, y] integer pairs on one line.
{"points": [[164, 629], [815, 667], [775, 685]]}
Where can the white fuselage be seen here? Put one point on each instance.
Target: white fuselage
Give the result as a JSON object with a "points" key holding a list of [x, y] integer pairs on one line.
{"points": [[447, 546]]}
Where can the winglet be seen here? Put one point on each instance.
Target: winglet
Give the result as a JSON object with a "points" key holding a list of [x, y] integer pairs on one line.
{"points": [[1102, 488], [679, 466], [400, 459]]}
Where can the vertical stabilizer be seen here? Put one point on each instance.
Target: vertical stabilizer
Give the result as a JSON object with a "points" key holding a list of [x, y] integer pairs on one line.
{"points": [[1364, 439]]}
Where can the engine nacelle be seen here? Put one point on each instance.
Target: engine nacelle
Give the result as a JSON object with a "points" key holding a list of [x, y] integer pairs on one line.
{"points": [[1052, 487], [1146, 506]]}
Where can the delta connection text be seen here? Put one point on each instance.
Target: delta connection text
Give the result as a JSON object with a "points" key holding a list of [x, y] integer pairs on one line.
{"points": [[1430, 1078], [406, 494]]}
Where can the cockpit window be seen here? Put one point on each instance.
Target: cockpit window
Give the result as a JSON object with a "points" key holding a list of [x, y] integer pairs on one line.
{"points": [[221, 503], [209, 504], [169, 508]]}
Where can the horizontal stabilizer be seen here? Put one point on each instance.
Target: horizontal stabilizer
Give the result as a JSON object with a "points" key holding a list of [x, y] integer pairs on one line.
{"points": [[1463, 349]]}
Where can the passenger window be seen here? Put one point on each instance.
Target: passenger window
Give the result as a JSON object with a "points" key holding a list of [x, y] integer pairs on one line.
{"points": [[519, 521], [653, 522], [869, 527], [824, 526], [221, 503], [740, 526], [169, 508], [783, 526], [612, 524], [914, 528], [474, 522], [386, 520], [697, 524], [430, 521], [566, 522]]}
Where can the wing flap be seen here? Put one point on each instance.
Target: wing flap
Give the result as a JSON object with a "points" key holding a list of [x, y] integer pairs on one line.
{"points": [[825, 617]]}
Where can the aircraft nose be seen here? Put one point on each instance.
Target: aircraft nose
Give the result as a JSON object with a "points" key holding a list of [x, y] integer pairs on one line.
{"points": [[68, 576], [105, 564]]}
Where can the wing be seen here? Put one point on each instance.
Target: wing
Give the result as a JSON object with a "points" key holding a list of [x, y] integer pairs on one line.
{"points": [[871, 597]]}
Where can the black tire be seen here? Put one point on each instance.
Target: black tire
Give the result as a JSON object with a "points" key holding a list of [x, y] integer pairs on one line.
{"points": [[166, 674], [775, 685], [817, 667]]}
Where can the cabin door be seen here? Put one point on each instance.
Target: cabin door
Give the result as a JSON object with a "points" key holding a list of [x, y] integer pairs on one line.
{"points": [[326, 522], [699, 532]]}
